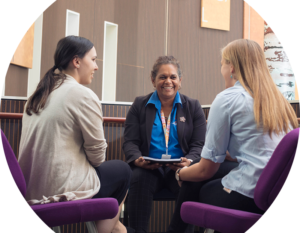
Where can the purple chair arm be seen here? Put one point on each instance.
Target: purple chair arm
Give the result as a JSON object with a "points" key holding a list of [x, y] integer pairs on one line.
{"points": [[57, 214], [217, 218]]}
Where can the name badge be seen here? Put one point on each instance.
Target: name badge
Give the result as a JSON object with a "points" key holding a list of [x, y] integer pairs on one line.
{"points": [[164, 156]]}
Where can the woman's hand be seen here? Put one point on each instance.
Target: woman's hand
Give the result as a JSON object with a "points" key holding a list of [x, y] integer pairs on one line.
{"points": [[141, 162], [184, 163]]}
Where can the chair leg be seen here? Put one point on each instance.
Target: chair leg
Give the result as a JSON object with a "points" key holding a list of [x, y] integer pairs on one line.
{"points": [[125, 219], [56, 229], [190, 229], [91, 226]]}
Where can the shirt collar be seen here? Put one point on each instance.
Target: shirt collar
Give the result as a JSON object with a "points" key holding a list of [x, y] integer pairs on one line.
{"points": [[237, 83], [155, 100], [71, 78], [177, 99]]}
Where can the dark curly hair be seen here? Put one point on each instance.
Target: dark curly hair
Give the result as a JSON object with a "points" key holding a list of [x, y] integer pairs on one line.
{"points": [[164, 60]]}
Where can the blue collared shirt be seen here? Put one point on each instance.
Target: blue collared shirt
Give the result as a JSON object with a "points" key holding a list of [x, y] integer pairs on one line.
{"points": [[231, 126], [158, 143]]}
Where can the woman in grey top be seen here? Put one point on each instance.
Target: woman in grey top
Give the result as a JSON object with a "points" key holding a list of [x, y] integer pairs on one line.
{"points": [[62, 149], [248, 118]]}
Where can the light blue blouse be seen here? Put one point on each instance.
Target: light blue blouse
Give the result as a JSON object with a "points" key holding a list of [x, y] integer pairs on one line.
{"points": [[158, 143], [231, 126]]}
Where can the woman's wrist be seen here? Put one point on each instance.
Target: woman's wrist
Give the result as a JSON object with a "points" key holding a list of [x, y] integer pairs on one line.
{"points": [[136, 162], [177, 176]]}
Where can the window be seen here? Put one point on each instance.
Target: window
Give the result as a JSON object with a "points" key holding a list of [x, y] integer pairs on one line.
{"points": [[72, 23], [109, 75]]}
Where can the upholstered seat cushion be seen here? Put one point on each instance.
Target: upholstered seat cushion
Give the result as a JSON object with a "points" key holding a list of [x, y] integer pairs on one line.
{"points": [[56, 214], [217, 218]]}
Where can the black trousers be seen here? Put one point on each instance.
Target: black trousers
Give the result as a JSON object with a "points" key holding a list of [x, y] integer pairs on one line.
{"points": [[211, 192], [144, 184], [114, 178]]}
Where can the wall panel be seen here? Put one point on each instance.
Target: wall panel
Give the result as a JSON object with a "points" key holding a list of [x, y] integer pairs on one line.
{"points": [[54, 23], [140, 42], [131, 85], [16, 81], [198, 49]]}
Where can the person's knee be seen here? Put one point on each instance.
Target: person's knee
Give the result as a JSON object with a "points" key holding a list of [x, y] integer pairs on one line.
{"points": [[123, 169], [143, 178], [139, 173]]}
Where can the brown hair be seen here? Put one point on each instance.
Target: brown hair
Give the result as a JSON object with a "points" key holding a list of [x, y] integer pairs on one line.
{"points": [[67, 48], [164, 60], [271, 109]]}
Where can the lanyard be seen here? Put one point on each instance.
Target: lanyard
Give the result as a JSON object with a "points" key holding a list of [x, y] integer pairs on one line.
{"points": [[166, 128]]}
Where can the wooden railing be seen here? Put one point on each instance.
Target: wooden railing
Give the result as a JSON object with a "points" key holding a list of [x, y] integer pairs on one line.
{"points": [[4, 115]]}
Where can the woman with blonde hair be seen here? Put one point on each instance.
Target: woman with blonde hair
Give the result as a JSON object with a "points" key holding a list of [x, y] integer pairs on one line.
{"points": [[248, 119]]}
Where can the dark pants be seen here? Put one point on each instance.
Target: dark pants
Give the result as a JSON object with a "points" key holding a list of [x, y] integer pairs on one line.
{"points": [[114, 178], [144, 184], [211, 192]]}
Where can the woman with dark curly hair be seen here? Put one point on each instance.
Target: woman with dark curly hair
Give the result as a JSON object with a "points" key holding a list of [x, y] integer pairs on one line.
{"points": [[162, 124]]}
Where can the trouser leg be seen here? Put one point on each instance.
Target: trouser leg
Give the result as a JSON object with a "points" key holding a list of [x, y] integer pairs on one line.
{"points": [[212, 193], [170, 182], [144, 184], [189, 191], [114, 178], [172, 185]]}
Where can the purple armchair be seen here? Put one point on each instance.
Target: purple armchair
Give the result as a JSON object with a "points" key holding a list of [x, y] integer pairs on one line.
{"points": [[56, 214], [267, 188]]}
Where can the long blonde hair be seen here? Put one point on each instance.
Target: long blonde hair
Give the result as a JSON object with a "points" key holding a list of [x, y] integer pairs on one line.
{"points": [[271, 109]]}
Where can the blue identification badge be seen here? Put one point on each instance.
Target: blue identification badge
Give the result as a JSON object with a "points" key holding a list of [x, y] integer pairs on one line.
{"points": [[164, 156]]}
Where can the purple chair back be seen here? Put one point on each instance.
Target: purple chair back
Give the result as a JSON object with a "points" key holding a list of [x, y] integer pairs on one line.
{"points": [[13, 165], [276, 171]]}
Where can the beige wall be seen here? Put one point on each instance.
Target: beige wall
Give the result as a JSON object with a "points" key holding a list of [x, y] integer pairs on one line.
{"points": [[16, 81], [146, 30], [199, 49]]}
